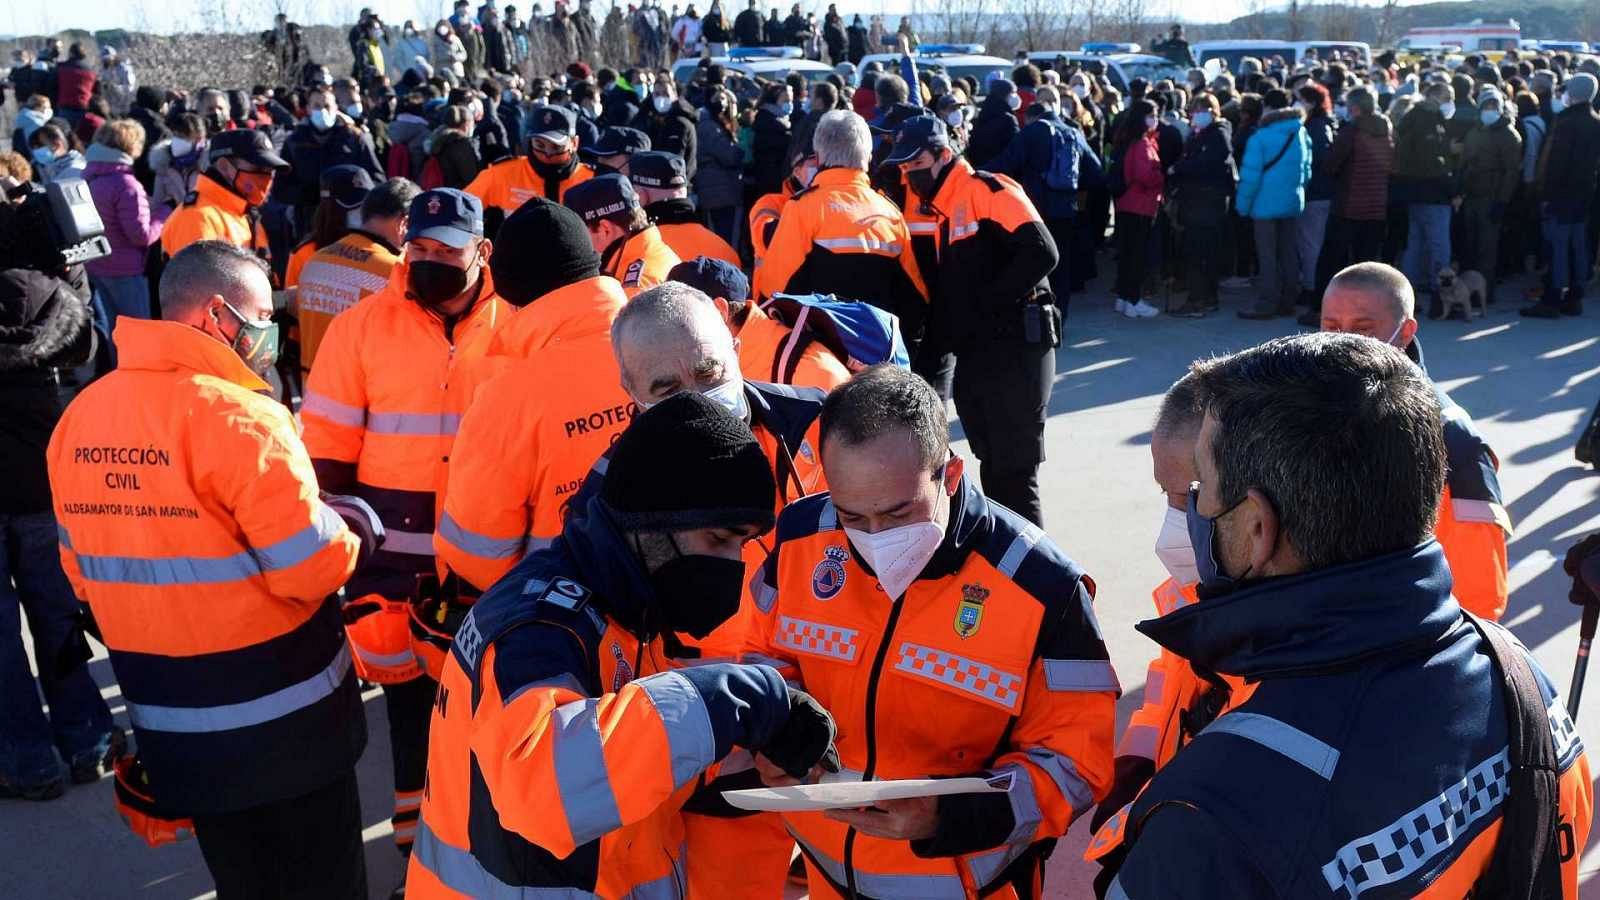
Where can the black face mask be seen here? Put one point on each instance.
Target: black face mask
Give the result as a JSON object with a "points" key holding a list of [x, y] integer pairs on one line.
{"points": [[432, 283], [556, 171], [923, 182], [695, 594], [216, 121]]}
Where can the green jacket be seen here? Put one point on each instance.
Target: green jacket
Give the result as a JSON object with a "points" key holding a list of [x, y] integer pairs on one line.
{"points": [[1492, 164], [1423, 163]]}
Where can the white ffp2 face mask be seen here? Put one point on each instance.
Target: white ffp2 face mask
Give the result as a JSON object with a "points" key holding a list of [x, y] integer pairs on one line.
{"points": [[1174, 548], [898, 555], [730, 396]]}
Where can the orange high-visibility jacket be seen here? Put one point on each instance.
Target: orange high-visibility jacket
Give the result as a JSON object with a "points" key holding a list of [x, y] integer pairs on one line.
{"points": [[214, 213], [639, 261], [841, 237], [381, 411], [297, 261], [691, 239], [763, 219], [553, 404], [763, 346], [336, 278], [1473, 523], [562, 748], [1177, 704], [991, 663], [190, 524], [512, 182]]}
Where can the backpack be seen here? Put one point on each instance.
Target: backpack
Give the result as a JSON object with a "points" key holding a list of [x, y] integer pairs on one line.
{"points": [[397, 164], [432, 175], [1062, 173], [857, 333]]}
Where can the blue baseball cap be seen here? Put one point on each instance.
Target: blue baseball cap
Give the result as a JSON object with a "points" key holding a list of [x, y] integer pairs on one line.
{"points": [[715, 277], [446, 215], [916, 135], [601, 197], [615, 140], [657, 169]]}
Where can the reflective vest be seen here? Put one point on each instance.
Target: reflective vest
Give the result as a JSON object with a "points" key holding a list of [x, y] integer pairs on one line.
{"points": [[998, 636], [1473, 524], [297, 261], [190, 524], [841, 237], [508, 184], [494, 513], [561, 749], [639, 261], [334, 279], [381, 411], [214, 213]]}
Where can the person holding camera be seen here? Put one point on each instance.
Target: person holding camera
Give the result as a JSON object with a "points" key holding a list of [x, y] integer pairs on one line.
{"points": [[45, 306]]}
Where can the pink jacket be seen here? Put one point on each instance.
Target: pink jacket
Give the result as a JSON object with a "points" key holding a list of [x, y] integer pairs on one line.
{"points": [[131, 225], [1141, 169]]}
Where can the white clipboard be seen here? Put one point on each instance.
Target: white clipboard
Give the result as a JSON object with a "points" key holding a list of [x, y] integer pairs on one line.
{"points": [[840, 794]]}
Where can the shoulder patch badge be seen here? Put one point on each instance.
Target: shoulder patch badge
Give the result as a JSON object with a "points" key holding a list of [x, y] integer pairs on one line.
{"points": [[827, 579], [566, 593], [631, 276], [806, 452], [969, 615]]}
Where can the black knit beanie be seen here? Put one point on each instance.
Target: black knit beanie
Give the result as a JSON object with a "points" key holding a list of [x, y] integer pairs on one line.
{"points": [[688, 463], [541, 247]]}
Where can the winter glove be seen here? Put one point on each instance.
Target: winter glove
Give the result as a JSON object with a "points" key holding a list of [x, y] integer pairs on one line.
{"points": [[1583, 564], [805, 740]]}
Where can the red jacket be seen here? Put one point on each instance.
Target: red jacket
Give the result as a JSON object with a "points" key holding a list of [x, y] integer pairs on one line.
{"points": [[1141, 169], [74, 85]]}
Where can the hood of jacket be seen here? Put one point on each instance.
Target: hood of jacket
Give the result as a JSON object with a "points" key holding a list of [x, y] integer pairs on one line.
{"points": [[106, 159], [41, 317], [608, 565], [407, 127], [1319, 621], [1279, 116]]}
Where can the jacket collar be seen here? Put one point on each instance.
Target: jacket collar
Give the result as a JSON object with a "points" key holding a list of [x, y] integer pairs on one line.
{"points": [[569, 312], [644, 239], [1317, 621], [675, 211], [214, 192], [378, 239], [151, 345], [608, 566], [774, 408], [834, 176], [949, 181]]}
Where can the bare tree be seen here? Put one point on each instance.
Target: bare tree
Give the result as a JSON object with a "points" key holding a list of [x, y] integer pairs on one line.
{"points": [[1294, 20], [1038, 24], [1386, 26], [962, 21], [1255, 15], [1126, 19], [1340, 22]]}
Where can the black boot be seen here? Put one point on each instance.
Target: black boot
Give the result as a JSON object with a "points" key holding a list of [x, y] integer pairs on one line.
{"points": [[1573, 304], [1541, 311]]}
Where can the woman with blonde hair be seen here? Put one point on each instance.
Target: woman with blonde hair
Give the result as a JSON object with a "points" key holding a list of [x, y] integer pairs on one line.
{"points": [[131, 225]]}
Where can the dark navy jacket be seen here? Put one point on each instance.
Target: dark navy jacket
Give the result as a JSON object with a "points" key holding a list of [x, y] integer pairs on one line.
{"points": [[1371, 755], [1029, 156]]}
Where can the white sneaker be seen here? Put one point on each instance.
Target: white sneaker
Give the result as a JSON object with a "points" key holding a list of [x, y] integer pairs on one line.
{"points": [[1122, 306], [1142, 310]]}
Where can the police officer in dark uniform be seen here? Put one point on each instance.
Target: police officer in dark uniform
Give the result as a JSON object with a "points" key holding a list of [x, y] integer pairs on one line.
{"points": [[992, 306]]}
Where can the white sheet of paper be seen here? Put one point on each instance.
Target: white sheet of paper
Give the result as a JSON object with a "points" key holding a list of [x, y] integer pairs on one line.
{"points": [[853, 794]]}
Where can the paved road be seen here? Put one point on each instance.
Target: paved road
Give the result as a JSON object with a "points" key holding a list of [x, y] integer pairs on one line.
{"points": [[1529, 383]]}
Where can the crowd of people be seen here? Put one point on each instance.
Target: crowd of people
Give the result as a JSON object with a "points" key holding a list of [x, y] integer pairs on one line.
{"points": [[599, 419]]}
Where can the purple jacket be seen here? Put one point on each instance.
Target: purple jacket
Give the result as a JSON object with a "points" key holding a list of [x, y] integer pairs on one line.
{"points": [[131, 226]]}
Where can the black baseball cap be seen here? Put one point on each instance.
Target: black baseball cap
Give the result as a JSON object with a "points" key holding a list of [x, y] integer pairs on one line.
{"points": [[346, 184], [617, 139], [715, 277], [447, 215], [553, 123], [246, 146], [601, 197], [657, 169], [916, 135]]}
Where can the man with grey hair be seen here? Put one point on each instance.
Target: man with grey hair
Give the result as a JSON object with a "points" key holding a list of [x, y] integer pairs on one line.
{"points": [[1565, 181], [839, 236], [1320, 460], [1376, 300], [191, 526]]}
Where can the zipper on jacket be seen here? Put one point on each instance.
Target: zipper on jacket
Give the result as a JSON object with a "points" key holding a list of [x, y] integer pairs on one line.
{"points": [[872, 733]]}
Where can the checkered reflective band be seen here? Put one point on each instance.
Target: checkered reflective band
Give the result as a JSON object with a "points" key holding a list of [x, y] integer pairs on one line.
{"points": [[817, 638], [1001, 688], [1412, 841]]}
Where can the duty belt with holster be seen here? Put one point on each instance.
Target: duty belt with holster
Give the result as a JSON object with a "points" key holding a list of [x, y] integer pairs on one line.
{"points": [[1036, 320]]}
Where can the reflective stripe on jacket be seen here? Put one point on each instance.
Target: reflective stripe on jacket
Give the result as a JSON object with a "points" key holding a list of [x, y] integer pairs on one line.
{"points": [[508, 184], [336, 278], [639, 261], [998, 635], [190, 524], [381, 411]]}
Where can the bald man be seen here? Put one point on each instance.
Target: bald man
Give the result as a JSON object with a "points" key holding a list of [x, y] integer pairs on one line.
{"points": [[1376, 300]]}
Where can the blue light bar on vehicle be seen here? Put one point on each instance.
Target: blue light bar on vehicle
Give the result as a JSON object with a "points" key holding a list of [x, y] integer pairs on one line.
{"points": [[949, 49], [766, 53], [1102, 47]]}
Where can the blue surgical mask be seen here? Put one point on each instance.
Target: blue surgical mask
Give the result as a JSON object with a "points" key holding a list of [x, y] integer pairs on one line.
{"points": [[43, 156], [322, 119], [1201, 119], [786, 108], [1202, 536]]}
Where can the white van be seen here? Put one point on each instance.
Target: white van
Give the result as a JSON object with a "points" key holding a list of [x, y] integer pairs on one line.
{"points": [[769, 63], [952, 60], [1119, 68]]}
